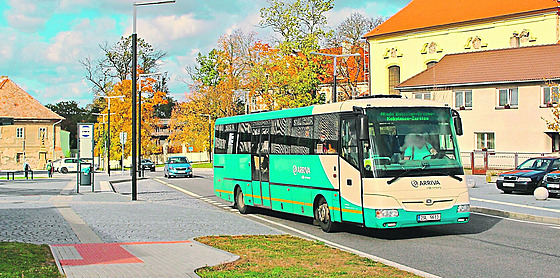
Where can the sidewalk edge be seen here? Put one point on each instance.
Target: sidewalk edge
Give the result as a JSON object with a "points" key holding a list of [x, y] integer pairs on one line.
{"points": [[517, 215]]}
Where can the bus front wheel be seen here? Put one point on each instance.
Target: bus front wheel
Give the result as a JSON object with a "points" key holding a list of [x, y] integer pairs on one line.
{"points": [[323, 216], [240, 202]]}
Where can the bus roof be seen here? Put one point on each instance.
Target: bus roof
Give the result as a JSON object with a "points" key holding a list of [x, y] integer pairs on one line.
{"points": [[345, 106]]}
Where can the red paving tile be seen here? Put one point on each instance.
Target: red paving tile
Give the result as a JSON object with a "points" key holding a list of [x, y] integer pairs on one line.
{"points": [[106, 253]]}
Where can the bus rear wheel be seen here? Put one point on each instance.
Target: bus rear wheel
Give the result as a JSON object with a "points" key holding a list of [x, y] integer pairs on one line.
{"points": [[323, 216], [240, 202]]}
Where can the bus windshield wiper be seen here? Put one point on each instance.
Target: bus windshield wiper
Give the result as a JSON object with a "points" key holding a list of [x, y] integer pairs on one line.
{"points": [[450, 175], [403, 174]]}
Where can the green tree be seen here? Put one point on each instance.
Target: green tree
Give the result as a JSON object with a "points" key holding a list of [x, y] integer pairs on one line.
{"points": [[73, 115], [302, 24]]}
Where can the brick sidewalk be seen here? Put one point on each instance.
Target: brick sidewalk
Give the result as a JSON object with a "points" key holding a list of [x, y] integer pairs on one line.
{"points": [[105, 234]]}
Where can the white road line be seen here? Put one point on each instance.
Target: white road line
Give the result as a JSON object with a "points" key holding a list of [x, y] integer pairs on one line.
{"points": [[330, 243], [515, 205]]}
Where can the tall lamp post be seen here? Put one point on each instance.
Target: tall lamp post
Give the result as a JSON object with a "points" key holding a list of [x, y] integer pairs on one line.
{"points": [[105, 143], [140, 172], [209, 136], [109, 129], [334, 96], [134, 65]]}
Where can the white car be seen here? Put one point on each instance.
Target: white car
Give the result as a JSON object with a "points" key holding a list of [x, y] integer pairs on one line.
{"points": [[66, 165]]}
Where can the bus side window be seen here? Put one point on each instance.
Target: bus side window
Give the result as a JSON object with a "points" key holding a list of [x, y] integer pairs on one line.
{"points": [[325, 136], [244, 138], [349, 141]]}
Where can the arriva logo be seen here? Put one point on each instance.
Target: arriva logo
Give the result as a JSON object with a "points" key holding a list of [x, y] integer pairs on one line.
{"points": [[417, 184], [301, 170]]}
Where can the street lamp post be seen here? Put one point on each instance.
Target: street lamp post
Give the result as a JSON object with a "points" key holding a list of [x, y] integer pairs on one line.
{"points": [[134, 65], [109, 130], [209, 136], [334, 96], [140, 170], [105, 130]]}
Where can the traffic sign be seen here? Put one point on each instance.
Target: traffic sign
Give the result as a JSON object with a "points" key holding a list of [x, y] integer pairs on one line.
{"points": [[122, 136]]}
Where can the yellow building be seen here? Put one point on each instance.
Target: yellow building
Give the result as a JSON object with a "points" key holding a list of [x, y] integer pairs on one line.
{"points": [[424, 31], [35, 135]]}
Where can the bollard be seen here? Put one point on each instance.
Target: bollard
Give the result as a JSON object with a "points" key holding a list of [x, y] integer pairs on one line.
{"points": [[541, 193]]}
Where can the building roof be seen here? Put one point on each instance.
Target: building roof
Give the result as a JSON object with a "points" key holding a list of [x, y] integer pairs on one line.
{"points": [[511, 65], [16, 103], [421, 14]]}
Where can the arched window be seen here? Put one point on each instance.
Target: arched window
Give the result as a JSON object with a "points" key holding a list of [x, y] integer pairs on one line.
{"points": [[394, 79], [430, 64]]}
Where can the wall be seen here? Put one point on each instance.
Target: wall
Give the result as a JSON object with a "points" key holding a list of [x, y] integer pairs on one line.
{"points": [[10, 146], [408, 56], [520, 129]]}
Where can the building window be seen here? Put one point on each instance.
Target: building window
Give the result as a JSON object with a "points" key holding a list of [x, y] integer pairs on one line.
{"points": [[508, 97], [485, 140], [427, 96], [550, 96], [42, 133], [431, 64], [394, 79], [20, 132], [463, 99]]}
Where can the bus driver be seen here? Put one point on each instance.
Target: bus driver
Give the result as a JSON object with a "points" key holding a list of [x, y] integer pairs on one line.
{"points": [[419, 149]]}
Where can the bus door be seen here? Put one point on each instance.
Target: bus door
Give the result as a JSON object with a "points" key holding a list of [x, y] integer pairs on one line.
{"points": [[260, 150], [349, 173]]}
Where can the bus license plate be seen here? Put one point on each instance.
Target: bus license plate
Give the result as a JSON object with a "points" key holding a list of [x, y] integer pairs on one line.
{"points": [[429, 217]]}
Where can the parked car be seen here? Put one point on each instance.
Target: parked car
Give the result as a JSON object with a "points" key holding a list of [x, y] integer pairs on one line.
{"points": [[66, 165], [176, 166], [148, 164], [528, 175], [552, 183]]}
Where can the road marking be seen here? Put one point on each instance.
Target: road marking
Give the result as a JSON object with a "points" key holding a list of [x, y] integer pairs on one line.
{"points": [[330, 243], [515, 205]]}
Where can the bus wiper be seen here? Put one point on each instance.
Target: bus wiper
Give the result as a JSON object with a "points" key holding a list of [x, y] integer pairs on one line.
{"points": [[403, 174], [450, 175]]}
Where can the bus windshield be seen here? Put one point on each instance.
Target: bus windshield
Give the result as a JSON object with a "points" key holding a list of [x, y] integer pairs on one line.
{"points": [[413, 141]]}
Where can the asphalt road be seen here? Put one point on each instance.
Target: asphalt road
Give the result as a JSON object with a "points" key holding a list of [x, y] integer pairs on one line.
{"points": [[485, 247]]}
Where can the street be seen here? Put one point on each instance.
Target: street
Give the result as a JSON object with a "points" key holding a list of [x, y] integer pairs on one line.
{"points": [[487, 246]]}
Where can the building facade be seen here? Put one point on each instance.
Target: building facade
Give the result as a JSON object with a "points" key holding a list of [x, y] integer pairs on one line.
{"points": [[35, 135], [503, 108], [424, 31]]}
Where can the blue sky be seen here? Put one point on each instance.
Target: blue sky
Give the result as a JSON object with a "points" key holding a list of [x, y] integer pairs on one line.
{"points": [[42, 41]]}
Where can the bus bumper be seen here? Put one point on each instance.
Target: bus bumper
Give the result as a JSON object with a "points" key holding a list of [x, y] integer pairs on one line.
{"points": [[416, 218]]}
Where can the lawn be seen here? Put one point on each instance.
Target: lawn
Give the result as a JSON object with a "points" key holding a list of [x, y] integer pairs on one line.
{"points": [[288, 256], [26, 260]]}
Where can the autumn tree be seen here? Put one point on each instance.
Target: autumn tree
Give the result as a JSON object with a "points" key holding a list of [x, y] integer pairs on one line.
{"points": [[116, 64], [347, 39]]}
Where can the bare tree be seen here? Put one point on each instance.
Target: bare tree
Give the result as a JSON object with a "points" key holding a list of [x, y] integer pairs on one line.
{"points": [[353, 28]]}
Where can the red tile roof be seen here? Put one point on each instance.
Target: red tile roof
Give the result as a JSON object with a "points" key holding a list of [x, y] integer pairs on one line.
{"points": [[18, 104], [522, 64], [420, 14]]}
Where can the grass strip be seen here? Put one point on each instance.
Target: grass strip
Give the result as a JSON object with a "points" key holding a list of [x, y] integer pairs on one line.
{"points": [[27, 260], [202, 165], [289, 256]]}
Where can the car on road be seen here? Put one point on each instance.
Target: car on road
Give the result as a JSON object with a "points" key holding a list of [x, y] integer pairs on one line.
{"points": [[148, 164], [552, 183], [528, 175], [66, 165], [177, 166]]}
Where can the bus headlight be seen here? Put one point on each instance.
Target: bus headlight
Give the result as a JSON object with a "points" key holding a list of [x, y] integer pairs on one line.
{"points": [[464, 208], [383, 213]]}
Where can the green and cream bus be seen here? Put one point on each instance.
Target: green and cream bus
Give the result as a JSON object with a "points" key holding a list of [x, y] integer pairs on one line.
{"points": [[378, 162]]}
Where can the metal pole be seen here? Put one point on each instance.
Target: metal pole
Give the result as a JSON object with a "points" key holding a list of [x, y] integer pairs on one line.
{"points": [[140, 130], [109, 139], [334, 96], [134, 64]]}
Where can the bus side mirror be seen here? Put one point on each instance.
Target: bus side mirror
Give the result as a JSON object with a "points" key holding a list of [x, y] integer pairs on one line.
{"points": [[457, 122], [364, 131]]}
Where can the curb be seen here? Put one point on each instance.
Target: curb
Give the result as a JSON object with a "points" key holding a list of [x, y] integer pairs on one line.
{"points": [[517, 215]]}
